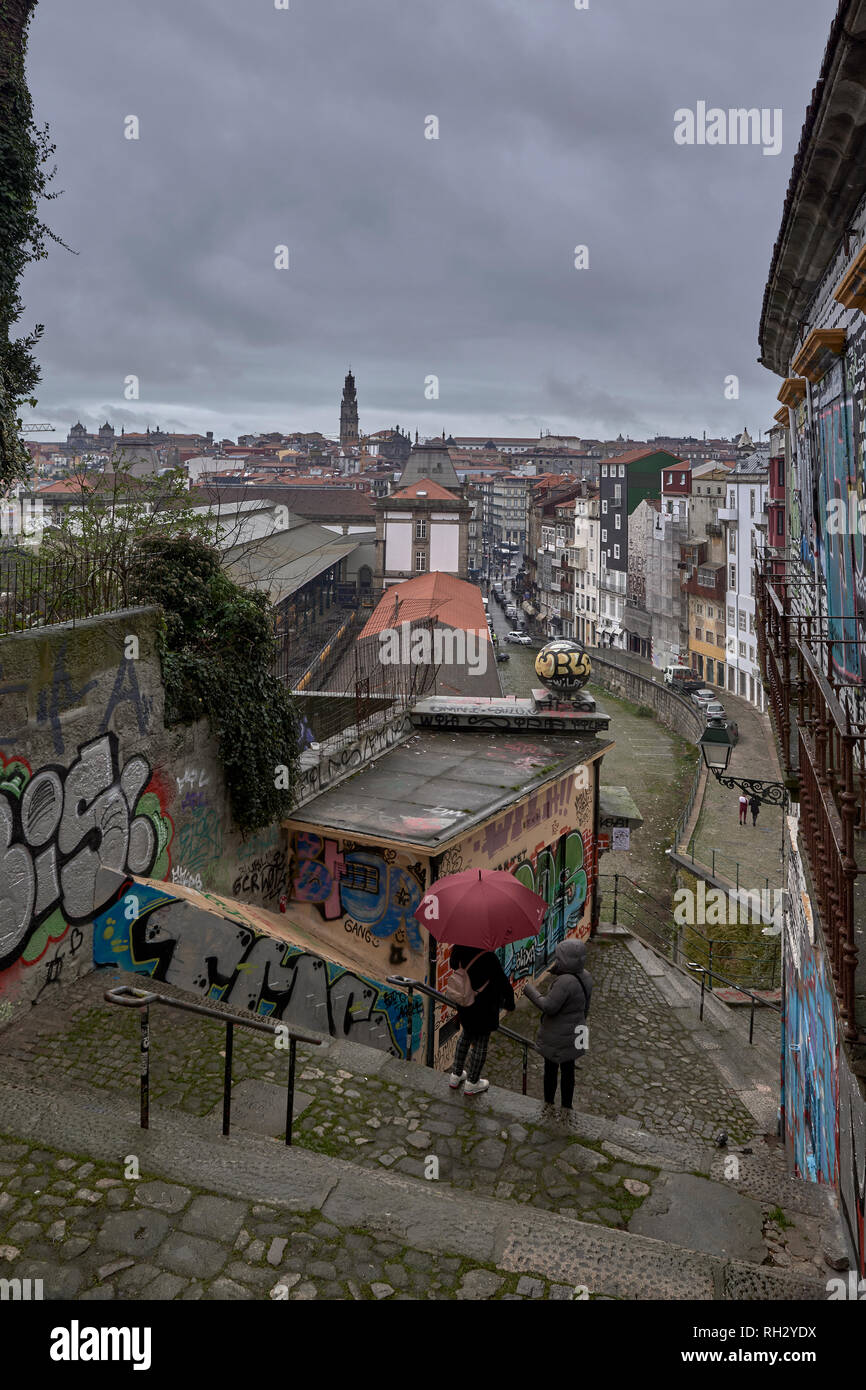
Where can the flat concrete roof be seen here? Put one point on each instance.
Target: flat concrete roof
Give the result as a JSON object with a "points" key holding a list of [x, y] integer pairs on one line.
{"points": [[434, 786]]}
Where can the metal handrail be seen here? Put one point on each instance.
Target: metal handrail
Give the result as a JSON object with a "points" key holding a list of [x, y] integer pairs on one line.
{"points": [[128, 996], [407, 983], [755, 998], [706, 970]]}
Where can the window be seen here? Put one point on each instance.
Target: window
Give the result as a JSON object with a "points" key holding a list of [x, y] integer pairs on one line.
{"points": [[604, 470], [616, 526], [699, 609], [671, 478], [742, 649], [732, 576], [698, 638], [732, 542], [742, 622], [603, 512], [421, 530], [420, 561], [720, 639], [683, 479], [751, 501], [622, 470], [779, 522], [731, 617], [604, 538], [752, 587], [616, 557], [732, 501]]}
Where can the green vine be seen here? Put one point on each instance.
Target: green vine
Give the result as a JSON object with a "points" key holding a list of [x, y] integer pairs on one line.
{"points": [[25, 151], [217, 656]]}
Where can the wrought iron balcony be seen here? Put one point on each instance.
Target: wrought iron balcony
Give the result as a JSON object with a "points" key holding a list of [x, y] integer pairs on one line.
{"points": [[820, 723]]}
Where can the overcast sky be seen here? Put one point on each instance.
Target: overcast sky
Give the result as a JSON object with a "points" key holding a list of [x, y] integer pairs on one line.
{"points": [[412, 257]]}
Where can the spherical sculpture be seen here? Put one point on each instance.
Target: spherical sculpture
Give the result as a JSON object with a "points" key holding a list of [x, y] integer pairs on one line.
{"points": [[563, 666]]}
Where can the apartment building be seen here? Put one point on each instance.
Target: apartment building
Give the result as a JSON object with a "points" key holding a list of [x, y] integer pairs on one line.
{"points": [[585, 567], [744, 521]]}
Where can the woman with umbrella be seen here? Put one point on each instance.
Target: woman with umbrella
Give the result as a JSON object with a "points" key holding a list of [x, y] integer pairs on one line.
{"points": [[491, 990], [477, 911]]}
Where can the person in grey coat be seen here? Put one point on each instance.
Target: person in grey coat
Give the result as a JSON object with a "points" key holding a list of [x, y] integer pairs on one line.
{"points": [[564, 1008]]}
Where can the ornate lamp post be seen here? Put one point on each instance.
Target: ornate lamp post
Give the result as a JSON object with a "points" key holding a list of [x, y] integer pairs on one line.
{"points": [[716, 746]]}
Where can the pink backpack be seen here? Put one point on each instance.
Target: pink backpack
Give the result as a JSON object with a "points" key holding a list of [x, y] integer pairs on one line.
{"points": [[459, 989]]}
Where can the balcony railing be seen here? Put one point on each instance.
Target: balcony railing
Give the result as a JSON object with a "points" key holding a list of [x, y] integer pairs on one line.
{"points": [[821, 727]]}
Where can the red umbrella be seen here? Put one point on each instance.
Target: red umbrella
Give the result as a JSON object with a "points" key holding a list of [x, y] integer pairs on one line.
{"points": [[481, 907]]}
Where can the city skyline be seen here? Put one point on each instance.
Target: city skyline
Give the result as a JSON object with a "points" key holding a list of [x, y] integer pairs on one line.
{"points": [[413, 257]]}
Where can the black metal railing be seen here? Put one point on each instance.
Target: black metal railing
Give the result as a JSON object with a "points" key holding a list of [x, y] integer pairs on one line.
{"points": [[127, 996], [37, 590], [651, 921], [410, 985]]}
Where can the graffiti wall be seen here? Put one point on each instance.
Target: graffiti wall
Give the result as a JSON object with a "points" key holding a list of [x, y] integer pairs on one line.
{"points": [[91, 780], [225, 951], [830, 480], [809, 1040], [546, 841], [341, 889]]}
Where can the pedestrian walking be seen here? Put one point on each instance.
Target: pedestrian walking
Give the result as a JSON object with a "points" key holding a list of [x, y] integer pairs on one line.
{"points": [[744, 806], [564, 1009], [479, 990], [754, 807]]}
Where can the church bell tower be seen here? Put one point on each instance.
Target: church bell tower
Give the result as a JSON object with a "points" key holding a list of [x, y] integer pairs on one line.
{"points": [[349, 415]]}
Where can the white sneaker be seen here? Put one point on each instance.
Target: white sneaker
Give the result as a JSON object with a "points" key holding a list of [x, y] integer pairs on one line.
{"points": [[472, 1088], [454, 1080]]}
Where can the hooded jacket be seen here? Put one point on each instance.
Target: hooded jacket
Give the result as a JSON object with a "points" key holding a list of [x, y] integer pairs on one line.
{"points": [[566, 1004]]}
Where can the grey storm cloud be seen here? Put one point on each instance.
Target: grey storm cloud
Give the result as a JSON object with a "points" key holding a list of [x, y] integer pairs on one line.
{"points": [[411, 257]]}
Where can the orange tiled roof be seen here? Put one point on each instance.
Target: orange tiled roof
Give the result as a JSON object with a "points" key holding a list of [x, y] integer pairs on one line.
{"points": [[428, 488], [449, 601]]}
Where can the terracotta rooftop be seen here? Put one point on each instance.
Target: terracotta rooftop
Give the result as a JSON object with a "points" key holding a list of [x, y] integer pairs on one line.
{"points": [[447, 600], [425, 487]]}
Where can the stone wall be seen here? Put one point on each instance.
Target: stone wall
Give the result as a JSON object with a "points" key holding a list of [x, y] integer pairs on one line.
{"points": [[670, 709], [91, 778]]}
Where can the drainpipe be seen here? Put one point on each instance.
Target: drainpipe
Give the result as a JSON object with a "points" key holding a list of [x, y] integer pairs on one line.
{"points": [[432, 961], [596, 829]]}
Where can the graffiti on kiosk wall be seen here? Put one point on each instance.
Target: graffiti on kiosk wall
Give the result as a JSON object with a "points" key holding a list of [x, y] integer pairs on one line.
{"points": [[374, 893], [213, 948], [59, 827]]}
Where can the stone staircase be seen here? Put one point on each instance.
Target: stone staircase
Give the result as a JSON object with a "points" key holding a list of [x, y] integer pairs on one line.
{"points": [[685, 1221]]}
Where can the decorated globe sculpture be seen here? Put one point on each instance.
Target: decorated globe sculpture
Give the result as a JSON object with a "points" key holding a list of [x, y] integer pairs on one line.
{"points": [[563, 666]]}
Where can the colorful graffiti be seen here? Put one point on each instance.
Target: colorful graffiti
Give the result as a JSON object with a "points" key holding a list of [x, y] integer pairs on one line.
{"points": [[215, 948], [367, 886], [852, 1160], [809, 1042], [556, 874], [60, 828]]}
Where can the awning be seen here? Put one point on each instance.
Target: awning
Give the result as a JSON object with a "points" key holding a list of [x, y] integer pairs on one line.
{"points": [[529, 610]]}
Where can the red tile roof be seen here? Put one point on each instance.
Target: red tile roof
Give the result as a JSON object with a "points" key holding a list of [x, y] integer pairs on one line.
{"points": [[427, 488], [447, 600]]}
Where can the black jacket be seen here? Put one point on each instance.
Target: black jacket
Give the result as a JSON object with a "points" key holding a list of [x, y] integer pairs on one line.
{"points": [[483, 1016]]}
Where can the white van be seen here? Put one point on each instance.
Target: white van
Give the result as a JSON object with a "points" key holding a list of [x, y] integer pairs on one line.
{"points": [[675, 674]]}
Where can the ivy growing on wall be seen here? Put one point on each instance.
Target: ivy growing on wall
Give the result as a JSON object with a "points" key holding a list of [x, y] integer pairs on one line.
{"points": [[218, 651], [24, 177]]}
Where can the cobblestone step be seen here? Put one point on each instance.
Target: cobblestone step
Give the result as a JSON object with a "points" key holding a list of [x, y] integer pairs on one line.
{"points": [[182, 1149]]}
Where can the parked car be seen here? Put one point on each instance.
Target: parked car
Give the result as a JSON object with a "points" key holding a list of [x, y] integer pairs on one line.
{"points": [[704, 697], [715, 710], [503, 656], [522, 637]]}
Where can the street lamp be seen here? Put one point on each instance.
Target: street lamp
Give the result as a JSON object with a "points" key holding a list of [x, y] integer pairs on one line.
{"points": [[716, 746]]}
